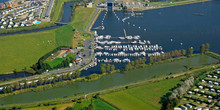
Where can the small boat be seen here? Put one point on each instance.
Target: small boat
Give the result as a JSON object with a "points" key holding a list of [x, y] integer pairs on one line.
{"points": [[129, 37], [122, 38], [134, 42], [137, 37]]}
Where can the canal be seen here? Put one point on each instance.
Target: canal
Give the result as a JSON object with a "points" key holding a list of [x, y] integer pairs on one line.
{"points": [[108, 81]]}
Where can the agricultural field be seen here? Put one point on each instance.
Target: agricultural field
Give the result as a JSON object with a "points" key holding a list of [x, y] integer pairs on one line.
{"points": [[101, 105], [82, 17], [23, 50], [142, 97]]}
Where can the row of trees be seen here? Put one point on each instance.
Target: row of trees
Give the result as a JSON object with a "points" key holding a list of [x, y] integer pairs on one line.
{"points": [[140, 62], [168, 55], [204, 48], [170, 100], [17, 86], [107, 68]]}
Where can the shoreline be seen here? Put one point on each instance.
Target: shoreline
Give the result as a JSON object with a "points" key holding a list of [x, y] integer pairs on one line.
{"points": [[173, 5]]}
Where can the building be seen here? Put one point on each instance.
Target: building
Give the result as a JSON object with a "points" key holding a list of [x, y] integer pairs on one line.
{"points": [[2, 6], [49, 8], [110, 4], [89, 5]]}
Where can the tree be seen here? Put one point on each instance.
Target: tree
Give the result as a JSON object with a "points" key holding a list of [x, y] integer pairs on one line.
{"points": [[202, 48], [16, 86], [128, 67], [103, 68], [78, 73], [207, 46], [112, 67], [108, 68], [190, 51], [183, 52]]}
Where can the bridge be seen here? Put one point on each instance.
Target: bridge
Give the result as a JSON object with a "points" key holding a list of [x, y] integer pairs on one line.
{"points": [[60, 23]]}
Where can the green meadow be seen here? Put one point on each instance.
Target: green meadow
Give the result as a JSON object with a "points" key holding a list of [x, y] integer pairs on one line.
{"points": [[141, 97]]}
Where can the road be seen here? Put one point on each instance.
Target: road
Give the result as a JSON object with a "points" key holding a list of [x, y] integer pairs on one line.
{"points": [[90, 22]]}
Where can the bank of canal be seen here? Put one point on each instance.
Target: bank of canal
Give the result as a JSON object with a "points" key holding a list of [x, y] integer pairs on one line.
{"points": [[108, 81]]}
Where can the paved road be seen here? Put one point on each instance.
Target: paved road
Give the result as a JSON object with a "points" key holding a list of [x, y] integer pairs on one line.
{"points": [[90, 22]]}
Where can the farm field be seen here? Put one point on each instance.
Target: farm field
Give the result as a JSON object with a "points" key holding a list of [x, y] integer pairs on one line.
{"points": [[101, 105], [142, 97], [82, 17], [23, 50]]}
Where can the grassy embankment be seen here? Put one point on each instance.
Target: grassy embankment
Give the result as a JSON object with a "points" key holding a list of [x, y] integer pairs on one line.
{"points": [[142, 97], [97, 104], [172, 3], [82, 17]]}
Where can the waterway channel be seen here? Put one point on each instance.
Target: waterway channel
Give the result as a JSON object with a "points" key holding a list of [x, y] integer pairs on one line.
{"points": [[108, 81]]}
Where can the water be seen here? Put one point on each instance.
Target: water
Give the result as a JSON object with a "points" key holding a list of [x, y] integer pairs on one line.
{"points": [[178, 23], [108, 81], [67, 13], [14, 75]]}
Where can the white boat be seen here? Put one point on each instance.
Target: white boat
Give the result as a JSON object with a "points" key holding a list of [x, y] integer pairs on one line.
{"points": [[134, 42], [128, 37], [122, 38], [137, 37]]}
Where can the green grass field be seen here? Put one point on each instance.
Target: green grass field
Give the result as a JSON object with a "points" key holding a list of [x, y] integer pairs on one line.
{"points": [[82, 17], [101, 105], [23, 50], [64, 35], [142, 97]]}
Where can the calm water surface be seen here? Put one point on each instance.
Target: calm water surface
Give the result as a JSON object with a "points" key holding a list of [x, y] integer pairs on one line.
{"points": [[108, 81], [178, 23]]}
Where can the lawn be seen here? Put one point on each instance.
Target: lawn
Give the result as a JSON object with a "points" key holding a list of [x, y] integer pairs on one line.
{"points": [[55, 62], [82, 17], [23, 50], [142, 97], [101, 105], [64, 35]]}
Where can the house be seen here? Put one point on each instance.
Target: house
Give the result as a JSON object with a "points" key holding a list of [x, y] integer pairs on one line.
{"points": [[188, 105], [7, 4], [2, 27], [2, 6], [1, 88], [9, 26], [177, 109], [183, 107], [210, 97], [198, 108], [200, 87], [89, 5]]}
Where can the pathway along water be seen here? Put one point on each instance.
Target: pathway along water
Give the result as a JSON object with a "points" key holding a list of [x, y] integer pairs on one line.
{"points": [[108, 81], [67, 14]]}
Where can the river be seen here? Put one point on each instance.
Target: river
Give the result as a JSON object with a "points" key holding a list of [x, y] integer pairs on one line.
{"points": [[108, 81]]}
